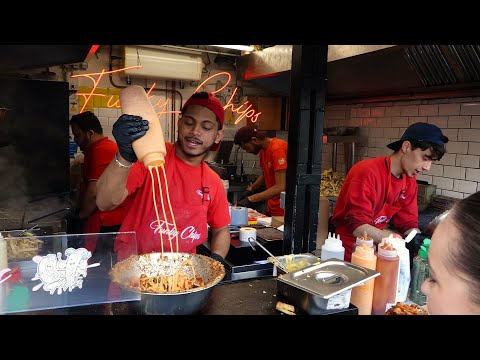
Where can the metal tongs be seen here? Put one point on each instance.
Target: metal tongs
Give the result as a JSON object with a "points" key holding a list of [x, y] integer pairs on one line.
{"points": [[276, 261], [28, 230]]}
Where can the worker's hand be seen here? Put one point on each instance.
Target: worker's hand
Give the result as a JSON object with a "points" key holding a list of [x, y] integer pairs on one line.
{"points": [[415, 243], [245, 194], [217, 257], [247, 203], [126, 130]]}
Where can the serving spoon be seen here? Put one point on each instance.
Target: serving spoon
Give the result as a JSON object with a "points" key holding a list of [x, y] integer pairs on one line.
{"points": [[277, 262]]}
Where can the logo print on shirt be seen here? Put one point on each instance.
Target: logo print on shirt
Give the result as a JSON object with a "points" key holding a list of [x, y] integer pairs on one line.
{"points": [[281, 161], [402, 196], [269, 164], [380, 220], [168, 229], [200, 193]]}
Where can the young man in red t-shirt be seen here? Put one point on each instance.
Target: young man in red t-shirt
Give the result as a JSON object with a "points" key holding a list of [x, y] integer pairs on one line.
{"points": [[384, 189], [195, 191], [273, 161], [98, 151]]}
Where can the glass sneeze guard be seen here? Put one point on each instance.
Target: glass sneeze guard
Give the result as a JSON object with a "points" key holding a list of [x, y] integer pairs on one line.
{"points": [[57, 271]]}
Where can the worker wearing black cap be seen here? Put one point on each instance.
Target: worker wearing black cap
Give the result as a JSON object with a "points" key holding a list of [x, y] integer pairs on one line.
{"points": [[383, 190]]}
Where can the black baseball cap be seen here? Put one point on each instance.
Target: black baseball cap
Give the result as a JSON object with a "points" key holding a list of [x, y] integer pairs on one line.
{"points": [[421, 132]]}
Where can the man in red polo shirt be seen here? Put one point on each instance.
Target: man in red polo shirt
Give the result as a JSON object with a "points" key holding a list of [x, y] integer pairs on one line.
{"points": [[98, 151], [273, 161]]}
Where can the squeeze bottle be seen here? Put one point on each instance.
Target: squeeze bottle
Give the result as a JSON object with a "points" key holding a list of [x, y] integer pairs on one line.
{"points": [[3, 253], [420, 272], [403, 282], [384, 291], [332, 248], [364, 240], [362, 295], [150, 148]]}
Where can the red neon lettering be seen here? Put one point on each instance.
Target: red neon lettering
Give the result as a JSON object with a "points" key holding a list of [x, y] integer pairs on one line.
{"points": [[116, 103], [248, 113]]}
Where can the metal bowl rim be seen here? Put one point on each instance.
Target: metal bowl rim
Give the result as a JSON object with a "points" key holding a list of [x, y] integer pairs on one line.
{"points": [[213, 283]]}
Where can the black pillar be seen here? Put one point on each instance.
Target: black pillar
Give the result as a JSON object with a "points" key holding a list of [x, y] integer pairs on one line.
{"points": [[305, 132]]}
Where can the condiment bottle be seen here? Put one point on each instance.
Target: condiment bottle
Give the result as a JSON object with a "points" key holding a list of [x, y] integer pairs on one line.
{"points": [[365, 239], [404, 277], [150, 148], [420, 272], [362, 296], [384, 291], [332, 248], [3, 253]]}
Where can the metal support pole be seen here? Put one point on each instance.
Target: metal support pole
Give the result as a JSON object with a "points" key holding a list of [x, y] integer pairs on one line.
{"points": [[334, 157], [307, 109]]}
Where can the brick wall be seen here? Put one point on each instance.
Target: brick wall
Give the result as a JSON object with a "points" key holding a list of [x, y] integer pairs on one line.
{"points": [[456, 175]]}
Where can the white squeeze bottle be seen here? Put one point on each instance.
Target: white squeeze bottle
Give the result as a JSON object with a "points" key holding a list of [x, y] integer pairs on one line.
{"points": [[332, 248], [403, 282], [3, 253]]}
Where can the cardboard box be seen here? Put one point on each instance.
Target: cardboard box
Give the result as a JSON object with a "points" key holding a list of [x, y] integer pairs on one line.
{"points": [[277, 221]]}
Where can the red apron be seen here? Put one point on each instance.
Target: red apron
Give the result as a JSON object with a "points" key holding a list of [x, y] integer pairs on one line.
{"points": [[381, 219], [190, 210]]}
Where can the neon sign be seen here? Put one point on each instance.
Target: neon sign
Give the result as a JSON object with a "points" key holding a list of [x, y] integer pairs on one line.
{"points": [[243, 110], [248, 113]]}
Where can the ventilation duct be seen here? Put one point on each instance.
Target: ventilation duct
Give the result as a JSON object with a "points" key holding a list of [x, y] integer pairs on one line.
{"points": [[162, 64]]}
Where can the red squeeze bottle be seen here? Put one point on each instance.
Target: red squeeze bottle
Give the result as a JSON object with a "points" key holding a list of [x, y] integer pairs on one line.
{"points": [[385, 289]]}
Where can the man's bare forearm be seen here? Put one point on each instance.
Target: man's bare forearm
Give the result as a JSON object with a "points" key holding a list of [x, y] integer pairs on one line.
{"points": [[257, 184], [267, 194], [111, 186], [376, 234], [220, 242], [88, 203]]}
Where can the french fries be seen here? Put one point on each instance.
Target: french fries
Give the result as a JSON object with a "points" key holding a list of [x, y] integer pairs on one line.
{"points": [[23, 248], [331, 183], [285, 308]]}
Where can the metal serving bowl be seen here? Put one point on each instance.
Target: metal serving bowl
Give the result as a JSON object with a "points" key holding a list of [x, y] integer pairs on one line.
{"points": [[174, 303]]}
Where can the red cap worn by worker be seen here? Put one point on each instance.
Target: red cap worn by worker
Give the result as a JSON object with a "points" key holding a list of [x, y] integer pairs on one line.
{"points": [[209, 101]]}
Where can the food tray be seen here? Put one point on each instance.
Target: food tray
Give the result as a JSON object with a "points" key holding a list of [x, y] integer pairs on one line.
{"points": [[324, 286], [294, 262], [270, 234]]}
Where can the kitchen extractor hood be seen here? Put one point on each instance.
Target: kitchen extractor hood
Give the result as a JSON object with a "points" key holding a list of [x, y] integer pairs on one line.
{"points": [[162, 64], [371, 72], [21, 57]]}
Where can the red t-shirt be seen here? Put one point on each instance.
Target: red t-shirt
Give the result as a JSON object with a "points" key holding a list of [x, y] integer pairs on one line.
{"points": [[363, 195], [187, 185], [97, 157], [273, 158]]}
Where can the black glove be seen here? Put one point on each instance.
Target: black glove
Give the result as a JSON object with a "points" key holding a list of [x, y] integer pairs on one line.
{"points": [[414, 246], [245, 194], [217, 257], [126, 130], [247, 203]]}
